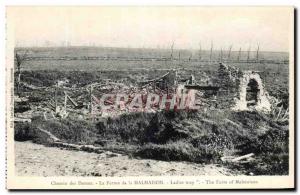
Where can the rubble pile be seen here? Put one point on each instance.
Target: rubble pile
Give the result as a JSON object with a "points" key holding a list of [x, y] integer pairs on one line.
{"points": [[231, 88]]}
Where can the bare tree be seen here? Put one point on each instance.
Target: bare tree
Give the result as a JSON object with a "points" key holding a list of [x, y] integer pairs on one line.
{"points": [[200, 51], [248, 54], [91, 100], [19, 60], [172, 50], [239, 55], [211, 49], [257, 52], [55, 97], [190, 58], [229, 52], [221, 55]]}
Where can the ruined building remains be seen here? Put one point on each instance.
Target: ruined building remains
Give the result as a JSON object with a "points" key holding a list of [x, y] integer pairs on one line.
{"points": [[241, 90]]}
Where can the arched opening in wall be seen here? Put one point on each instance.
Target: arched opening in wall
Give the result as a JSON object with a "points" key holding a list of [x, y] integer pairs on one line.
{"points": [[252, 93]]}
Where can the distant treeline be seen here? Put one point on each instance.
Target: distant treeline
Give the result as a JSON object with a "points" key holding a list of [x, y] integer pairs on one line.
{"points": [[156, 59], [146, 54]]}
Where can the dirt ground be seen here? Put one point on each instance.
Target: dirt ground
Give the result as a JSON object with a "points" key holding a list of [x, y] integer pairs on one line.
{"points": [[38, 160]]}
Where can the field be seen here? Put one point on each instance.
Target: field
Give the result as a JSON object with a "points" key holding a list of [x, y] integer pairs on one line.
{"points": [[207, 136], [148, 63]]}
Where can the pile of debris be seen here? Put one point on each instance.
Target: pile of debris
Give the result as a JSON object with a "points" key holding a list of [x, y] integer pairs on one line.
{"points": [[230, 89]]}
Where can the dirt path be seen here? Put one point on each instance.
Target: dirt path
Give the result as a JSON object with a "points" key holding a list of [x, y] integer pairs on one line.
{"points": [[38, 160]]}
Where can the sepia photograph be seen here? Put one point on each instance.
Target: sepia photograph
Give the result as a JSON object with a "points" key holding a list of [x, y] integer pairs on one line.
{"points": [[157, 97]]}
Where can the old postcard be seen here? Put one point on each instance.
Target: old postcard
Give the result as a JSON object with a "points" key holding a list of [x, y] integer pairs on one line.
{"points": [[150, 97]]}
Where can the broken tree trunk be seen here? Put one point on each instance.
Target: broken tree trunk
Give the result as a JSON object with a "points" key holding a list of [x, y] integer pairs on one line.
{"points": [[242, 157]]}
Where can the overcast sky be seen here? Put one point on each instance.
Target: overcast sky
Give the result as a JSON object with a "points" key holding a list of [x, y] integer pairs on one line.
{"points": [[270, 27]]}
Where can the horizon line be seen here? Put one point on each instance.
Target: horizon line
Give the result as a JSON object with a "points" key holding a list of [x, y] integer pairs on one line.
{"points": [[74, 46]]}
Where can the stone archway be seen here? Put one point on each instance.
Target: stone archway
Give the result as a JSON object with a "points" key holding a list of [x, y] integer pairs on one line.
{"points": [[251, 93]]}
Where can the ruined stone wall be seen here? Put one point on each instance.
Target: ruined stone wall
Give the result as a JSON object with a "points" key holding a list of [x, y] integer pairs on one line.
{"points": [[233, 89], [171, 78], [228, 77], [228, 81], [263, 103]]}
